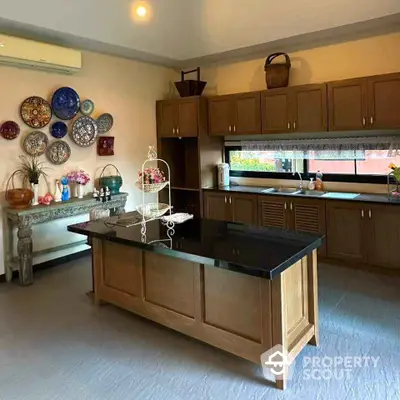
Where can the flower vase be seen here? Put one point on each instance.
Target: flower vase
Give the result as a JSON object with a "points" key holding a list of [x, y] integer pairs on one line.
{"points": [[35, 190], [80, 191], [57, 193], [75, 190]]}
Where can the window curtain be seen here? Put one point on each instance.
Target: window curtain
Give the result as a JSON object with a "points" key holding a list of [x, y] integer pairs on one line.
{"points": [[359, 148]]}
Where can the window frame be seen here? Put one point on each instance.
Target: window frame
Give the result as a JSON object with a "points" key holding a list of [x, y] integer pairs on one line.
{"points": [[377, 179]]}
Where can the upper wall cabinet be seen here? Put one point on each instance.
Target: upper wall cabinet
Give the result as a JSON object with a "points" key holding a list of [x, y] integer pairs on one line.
{"points": [[234, 114], [181, 117], [296, 109], [364, 103]]}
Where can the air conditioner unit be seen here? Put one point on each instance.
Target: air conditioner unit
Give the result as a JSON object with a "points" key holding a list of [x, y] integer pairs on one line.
{"points": [[20, 52]]}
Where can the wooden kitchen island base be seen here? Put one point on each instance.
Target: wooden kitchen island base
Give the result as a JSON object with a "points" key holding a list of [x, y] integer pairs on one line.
{"points": [[241, 314]]}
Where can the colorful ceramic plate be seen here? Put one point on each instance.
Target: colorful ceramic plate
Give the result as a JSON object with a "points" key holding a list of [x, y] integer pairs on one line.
{"points": [[9, 130], [87, 107], [59, 129], [36, 112], [84, 131], [35, 144], [58, 152], [105, 122], [65, 103]]}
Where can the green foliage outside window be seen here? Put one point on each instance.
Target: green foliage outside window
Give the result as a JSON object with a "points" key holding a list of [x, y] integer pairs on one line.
{"points": [[238, 163]]}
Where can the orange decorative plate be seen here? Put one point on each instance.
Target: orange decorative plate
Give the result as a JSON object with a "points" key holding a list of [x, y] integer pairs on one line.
{"points": [[9, 130], [36, 112]]}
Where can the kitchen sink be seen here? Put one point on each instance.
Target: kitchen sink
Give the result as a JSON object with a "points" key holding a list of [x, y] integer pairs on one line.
{"points": [[311, 193], [287, 190]]}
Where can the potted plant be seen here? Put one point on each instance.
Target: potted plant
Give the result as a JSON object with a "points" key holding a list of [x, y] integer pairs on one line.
{"points": [[32, 169]]}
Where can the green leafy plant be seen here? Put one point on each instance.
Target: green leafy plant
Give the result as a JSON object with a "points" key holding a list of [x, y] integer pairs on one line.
{"points": [[31, 169]]}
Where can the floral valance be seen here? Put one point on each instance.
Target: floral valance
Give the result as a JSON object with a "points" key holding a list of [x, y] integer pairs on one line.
{"points": [[327, 149]]}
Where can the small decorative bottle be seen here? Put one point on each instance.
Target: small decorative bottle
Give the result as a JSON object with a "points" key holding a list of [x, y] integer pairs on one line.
{"points": [[57, 193], [65, 191]]}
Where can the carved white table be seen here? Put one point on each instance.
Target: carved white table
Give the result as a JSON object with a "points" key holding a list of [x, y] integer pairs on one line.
{"points": [[24, 219]]}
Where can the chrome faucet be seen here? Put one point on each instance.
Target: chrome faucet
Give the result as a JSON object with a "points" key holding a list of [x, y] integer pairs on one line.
{"points": [[301, 179]]}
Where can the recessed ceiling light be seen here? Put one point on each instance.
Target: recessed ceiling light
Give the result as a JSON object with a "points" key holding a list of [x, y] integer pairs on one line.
{"points": [[141, 11]]}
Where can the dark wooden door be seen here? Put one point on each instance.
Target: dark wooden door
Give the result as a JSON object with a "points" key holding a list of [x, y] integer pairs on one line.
{"points": [[243, 208], [246, 114], [273, 212], [166, 118], [220, 115], [308, 216], [309, 109], [345, 223], [347, 104], [384, 101], [275, 111], [383, 241], [187, 118], [216, 206]]}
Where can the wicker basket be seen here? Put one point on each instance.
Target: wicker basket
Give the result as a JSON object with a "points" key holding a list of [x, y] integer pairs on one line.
{"points": [[151, 187], [277, 74], [187, 88], [153, 210]]}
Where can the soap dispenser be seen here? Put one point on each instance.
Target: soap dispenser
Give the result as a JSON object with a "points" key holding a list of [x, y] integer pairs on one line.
{"points": [[311, 184]]}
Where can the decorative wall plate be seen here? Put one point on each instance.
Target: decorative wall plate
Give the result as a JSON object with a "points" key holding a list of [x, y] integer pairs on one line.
{"points": [[35, 144], [87, 107], [58, 152], [105, 146], [9, 130], [84, 131], [59, 129], [105, 122], [65, 103], [35, 112]]}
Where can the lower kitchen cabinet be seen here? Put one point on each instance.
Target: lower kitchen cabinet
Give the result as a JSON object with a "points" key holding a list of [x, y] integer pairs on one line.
{"points": [[273, 211], [223, 206], [344, 230]]}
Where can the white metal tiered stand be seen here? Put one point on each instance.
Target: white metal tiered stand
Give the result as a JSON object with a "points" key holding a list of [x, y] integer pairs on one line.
{"points": [[154, 211]]}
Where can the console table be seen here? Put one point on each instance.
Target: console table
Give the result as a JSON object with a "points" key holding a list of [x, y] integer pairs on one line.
{"points": [[25, 218]]}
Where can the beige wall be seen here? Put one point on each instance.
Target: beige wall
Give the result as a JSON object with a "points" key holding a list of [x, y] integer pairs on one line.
{"points": [[126, 89], [372, 56]]}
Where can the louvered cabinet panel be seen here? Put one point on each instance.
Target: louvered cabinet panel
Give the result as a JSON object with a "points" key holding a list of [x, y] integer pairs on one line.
{"points": [[273, 212], [309, 217]]}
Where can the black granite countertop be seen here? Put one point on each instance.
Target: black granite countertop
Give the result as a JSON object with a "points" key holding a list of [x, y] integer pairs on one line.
{"points": [[261, 252], [363, 197]]}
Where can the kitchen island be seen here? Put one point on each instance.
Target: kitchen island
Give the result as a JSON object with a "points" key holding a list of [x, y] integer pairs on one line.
{"points": [[239, 288]]}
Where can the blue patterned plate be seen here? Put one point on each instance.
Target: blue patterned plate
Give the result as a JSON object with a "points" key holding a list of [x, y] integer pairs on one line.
{"points": [[65, 103], [105, 122], [59, 130], [87, 107]]}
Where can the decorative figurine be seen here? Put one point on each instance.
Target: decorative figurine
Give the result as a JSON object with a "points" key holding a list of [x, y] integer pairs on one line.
{"points": [[65, 191], [108, 193], [102, 195], [46, 200], [96, 194], [57, 193]]}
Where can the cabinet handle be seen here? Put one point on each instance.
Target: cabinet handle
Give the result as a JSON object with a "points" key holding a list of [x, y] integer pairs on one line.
{"points": [[372, 120], [288, 125], [230, 200], [285, 205], [364, 121], [370, 214], [226, 200], [230, 128], [234, 128], [294, 125], [173, 131], [177, 131], [362, 213], [291, 206]]}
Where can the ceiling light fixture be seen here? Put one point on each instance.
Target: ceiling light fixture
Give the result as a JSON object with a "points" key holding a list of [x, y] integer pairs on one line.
{"points": [[141, 11]]}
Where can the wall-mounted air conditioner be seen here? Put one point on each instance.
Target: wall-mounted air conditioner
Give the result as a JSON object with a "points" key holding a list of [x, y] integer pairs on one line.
{"points": [[30, 54]]}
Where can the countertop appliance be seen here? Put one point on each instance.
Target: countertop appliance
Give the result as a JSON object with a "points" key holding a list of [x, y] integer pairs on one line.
{"points": [[223, 174]]}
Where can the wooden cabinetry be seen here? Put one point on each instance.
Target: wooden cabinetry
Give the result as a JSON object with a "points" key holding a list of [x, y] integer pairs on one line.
{"points": [[234, 114], [223, 206], [181, 117], [297, 109], [273, 212]]}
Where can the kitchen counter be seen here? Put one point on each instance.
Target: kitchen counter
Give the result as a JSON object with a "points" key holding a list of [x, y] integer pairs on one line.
{"points": [[239, 288], [363, 197]]}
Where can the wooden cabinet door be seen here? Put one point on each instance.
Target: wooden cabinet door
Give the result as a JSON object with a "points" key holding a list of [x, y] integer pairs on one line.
{"points": [[345, 223], [216, 206], [308, 216], [308, 108], [273, 212], [347, 104], [187, 118], [220, 115], [275, 111], [247, 114], [384, 235], [166, 118], [243, 208], [384, 101]]}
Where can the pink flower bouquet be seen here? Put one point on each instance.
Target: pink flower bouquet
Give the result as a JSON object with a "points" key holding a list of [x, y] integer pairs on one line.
{"points": [[151, 175], [80, 177]]}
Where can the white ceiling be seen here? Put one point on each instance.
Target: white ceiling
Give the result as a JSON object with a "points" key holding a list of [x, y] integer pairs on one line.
{"points": [[197, 31]]}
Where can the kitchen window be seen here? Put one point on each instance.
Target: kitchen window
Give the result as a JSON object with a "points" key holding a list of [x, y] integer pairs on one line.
{"points": [[367, 166]]}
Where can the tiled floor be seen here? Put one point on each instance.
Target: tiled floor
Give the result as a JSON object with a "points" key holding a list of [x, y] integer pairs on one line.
{"points": [[54, 344]]}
